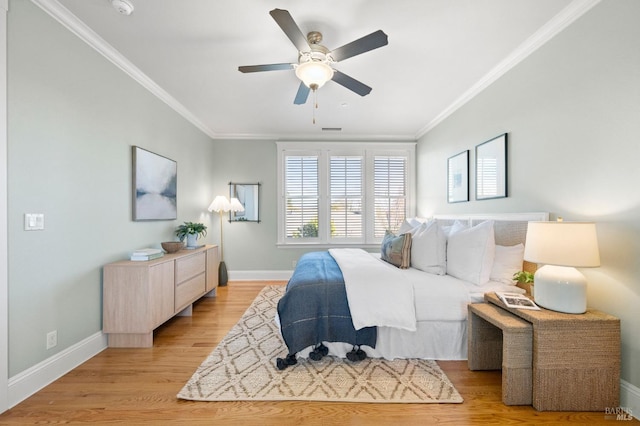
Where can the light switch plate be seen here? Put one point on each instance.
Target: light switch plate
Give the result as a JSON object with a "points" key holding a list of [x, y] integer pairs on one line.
{"points": [[33, 221]]}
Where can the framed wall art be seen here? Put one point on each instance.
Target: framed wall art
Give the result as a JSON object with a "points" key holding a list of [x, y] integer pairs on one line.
{"points": [[458, 178], [155, 186], [491, 168]]}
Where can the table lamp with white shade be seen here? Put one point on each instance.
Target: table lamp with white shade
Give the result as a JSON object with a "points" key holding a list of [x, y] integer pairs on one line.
{"points": [[561, 247]]}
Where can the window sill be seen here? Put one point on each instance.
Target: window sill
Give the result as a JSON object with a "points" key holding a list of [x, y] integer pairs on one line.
{"points": [[326, 246]]}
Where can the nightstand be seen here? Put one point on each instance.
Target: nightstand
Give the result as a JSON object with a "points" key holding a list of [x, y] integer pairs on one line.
{"points": [[575, 358]]}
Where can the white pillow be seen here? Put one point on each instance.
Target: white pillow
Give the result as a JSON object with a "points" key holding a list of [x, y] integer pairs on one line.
{"points": [[429, 249], [455, 227], [508, 261], [470, 253], [409, 225]]}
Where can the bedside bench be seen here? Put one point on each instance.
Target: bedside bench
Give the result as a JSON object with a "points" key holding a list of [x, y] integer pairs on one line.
{"points": [[575, 357], [500, 340]]}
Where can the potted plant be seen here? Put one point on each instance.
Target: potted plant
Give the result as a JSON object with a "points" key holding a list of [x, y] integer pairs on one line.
{"points": [[525, 279], [191, 231]]}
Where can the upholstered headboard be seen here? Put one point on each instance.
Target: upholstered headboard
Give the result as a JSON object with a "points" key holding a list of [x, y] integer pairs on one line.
{"points": [[510, 228]]}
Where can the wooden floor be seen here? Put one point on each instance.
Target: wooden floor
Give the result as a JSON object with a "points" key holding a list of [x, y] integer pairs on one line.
{"points": [[139, 386]]}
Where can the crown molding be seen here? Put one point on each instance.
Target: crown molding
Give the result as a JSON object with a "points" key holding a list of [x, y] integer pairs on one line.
{"points": [[315, 137], [86, 34], [562, 20]]}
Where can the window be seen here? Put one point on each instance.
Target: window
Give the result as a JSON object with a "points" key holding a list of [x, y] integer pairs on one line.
{"points": [[343, 193], [345, 187], [390, 186], [302, 196]]}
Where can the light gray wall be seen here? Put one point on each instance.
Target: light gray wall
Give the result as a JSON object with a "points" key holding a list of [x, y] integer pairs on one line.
{"points": [[572, 111], [251, 246], [73, 117]]}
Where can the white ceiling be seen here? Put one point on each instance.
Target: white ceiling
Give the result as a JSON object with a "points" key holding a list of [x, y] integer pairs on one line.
{"points": [[440, 53]]}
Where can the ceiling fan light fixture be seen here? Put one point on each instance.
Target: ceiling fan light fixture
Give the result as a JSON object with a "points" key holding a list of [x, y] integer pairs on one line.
{"points": [[314, 74]]}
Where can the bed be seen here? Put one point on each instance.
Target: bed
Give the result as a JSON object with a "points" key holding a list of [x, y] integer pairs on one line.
{"points": [[410, 299]]}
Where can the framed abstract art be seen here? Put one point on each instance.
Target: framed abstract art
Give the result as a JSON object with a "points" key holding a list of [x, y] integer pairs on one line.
{"points": [[155, 186]]}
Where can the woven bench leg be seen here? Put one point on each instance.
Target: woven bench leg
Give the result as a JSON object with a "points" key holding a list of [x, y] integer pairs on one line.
{"points": [[517, 382], [504, 343], [485, 344]]}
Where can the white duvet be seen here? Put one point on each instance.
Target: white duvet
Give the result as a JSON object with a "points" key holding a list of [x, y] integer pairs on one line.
{"points": [[379, 294]]}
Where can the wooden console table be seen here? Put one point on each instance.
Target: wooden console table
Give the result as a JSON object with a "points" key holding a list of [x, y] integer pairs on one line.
{"points": [[140, 296], [576, 358]]}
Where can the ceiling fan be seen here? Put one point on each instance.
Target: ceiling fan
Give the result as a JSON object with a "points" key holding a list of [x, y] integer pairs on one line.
{"points": [[315, 62]]}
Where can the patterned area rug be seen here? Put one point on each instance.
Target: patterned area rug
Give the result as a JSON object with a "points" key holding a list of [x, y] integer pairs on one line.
{"points": [[243, 367]]}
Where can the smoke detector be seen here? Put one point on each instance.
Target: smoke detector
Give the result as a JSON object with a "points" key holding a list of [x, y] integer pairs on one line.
{"points": [[124, 7]]}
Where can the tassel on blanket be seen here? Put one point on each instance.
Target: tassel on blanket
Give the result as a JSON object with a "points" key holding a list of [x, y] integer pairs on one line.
{"points": [[319, 352], [356, 354]]}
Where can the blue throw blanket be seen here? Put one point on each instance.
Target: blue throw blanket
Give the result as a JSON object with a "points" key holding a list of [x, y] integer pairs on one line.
{"points": [[314, 308]]}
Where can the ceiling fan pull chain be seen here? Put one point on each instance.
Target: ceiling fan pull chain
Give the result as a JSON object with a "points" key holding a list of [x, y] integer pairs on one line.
{"points": [[315, 103]]}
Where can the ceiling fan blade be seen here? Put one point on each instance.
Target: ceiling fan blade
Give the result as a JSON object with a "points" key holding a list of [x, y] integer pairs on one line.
{"points": [[302, 95], [351, 83], [364, 44], [291, 29], [269, 67]]}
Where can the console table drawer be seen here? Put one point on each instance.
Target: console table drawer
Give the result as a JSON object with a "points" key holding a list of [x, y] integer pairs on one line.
{"points": [[190, 266], [190, 290]]}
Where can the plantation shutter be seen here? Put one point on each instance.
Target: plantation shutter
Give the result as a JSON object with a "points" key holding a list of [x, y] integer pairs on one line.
{"points": [[345, 191], [390, 175], [301, 196]]}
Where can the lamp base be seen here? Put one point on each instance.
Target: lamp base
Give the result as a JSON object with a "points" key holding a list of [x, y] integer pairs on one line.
{"points": [[561, 289], [222, 275]]}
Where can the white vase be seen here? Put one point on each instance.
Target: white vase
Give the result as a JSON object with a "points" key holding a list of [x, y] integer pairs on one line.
{"points": [[192, 240]]}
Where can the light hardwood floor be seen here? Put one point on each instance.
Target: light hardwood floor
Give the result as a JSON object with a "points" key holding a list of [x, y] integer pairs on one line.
{"points": [[139, 386]]}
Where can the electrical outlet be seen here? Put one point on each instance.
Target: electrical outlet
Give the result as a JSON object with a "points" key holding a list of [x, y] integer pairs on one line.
{"points": [[52, 339]]}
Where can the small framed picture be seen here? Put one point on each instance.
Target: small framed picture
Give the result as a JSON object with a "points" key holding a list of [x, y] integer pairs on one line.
{"points": [[491, 168], [458, 178]]}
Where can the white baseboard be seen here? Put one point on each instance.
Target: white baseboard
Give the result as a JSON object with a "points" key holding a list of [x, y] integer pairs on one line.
{"points": [[630, 398], [260, 275], [24, 384]]}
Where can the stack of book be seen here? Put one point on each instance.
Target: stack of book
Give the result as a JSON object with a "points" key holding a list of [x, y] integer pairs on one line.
{"points": [[146, 254]]}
